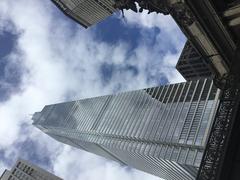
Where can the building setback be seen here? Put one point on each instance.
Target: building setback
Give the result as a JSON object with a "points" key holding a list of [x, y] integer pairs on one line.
{"points": [[161, 130], [24, 170], [191, 65], [86, 12]]}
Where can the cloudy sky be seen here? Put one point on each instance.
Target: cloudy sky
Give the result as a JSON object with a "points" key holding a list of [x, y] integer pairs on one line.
{"points": [[46, 58]]}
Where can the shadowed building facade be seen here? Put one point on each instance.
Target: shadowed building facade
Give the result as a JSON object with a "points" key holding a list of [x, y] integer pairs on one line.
{"points": [[24, 170], [161, 130], [191, 65]]}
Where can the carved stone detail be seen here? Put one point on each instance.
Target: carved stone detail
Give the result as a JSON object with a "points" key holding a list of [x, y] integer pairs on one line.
{"points": [[181, 12], [150, 5], [221, 129]]}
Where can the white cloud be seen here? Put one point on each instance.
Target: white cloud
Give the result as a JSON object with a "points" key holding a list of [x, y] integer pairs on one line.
{"points": [[171, 32], [61, 63]]}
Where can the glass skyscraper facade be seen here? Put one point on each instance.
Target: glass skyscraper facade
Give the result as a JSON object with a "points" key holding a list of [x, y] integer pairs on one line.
{"points": [[24, 170], [161, 130], [86, 12]]}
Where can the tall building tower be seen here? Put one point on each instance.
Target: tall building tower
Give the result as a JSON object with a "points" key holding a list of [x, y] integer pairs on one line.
{"points": [[191, 65], [161, 130], [24, 170], [86, 12]]}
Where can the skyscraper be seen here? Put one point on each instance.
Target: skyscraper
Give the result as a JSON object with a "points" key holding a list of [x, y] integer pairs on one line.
{"points": [[86, 12], [161, 130], [24, 170], [192, 65]]}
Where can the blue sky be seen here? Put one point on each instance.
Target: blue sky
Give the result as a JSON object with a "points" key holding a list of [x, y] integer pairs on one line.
{"points": [[47, 58]]}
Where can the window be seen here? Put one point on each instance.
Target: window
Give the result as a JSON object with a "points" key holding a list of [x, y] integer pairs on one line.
{"points": [[18, 164]]}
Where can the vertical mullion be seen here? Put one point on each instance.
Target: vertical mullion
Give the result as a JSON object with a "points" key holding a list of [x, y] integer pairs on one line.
{"points": [[170, 108], [127, 117], [140, 128], [158, 120], [84, 115], [67, 124], [127, 111], [135, 106], [163, 121], [99, 107], [188, 149], [205, 105], [213, 110], [96, 108], [179, 152], [135, 119], [78, 116], [88, 117], [119, 112], [115, 113], [63, 121], [107, 120], [147, 121], [195, 156], [74, 121], [102, 108], [183, 104], [174, 112], [189, 107], [196, 108], [138, 117], [148, 135]]}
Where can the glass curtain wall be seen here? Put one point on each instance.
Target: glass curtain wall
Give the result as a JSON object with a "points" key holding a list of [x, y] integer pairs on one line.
{"points": [[161, 130]]}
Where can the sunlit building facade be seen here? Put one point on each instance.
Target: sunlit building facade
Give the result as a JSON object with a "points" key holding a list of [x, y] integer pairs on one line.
{"points": [[24, 170], [86, 12], [161, 130]]}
